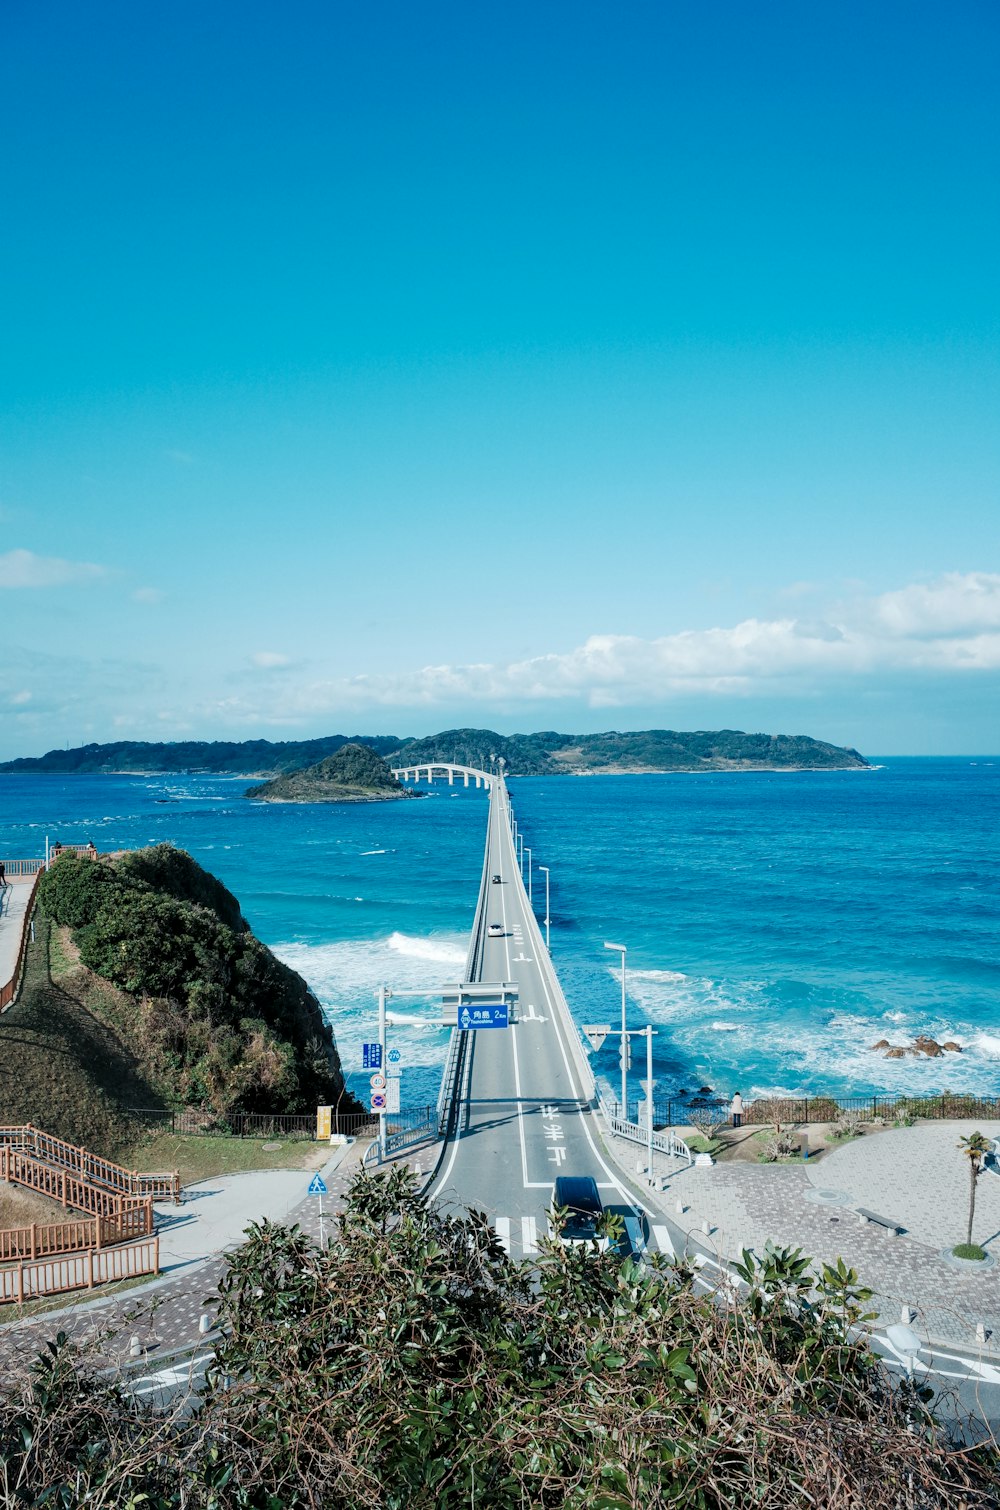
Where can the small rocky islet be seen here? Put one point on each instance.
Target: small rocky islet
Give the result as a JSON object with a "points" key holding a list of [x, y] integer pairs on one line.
{"points": [[922, 1044]]}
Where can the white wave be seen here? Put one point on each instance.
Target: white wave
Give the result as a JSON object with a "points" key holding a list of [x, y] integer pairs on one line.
{"points": [[725, 1027], [665, 977], [432, 949], [894, 1016], [372, 852], [986, 1044]]}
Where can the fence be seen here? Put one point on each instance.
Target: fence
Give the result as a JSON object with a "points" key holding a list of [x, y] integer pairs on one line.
{"points": [[96, 1266], [664, 1141], [806, 1109], [192, 1120], [405, 1137], [55, 1160], [23, 867], [9, 990], [42, 1239]]}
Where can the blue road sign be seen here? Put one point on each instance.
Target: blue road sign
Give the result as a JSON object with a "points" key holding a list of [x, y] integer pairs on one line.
{"points": [[484, 1014], [371, 1056], [393, 1056], [316, 1185]]}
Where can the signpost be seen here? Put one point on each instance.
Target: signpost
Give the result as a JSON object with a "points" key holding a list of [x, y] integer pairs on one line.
{"points": [[393, 1056], [371, 1056], [317, 1186], [484, 1014], [392, 1093], [378, 1082], [596, 1033], [324, 1123], [379, 1099]]}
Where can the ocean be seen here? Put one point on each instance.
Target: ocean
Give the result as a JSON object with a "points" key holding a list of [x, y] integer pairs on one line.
{"points": [[777, 924]]}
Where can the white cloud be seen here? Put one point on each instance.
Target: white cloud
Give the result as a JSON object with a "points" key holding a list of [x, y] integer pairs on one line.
{"points": [[952, 625], [20, 698], [20, 568], [268, 660], [148, 595]]}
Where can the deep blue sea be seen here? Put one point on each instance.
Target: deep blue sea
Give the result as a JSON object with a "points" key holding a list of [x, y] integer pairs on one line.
{"points": [[776, 924]]}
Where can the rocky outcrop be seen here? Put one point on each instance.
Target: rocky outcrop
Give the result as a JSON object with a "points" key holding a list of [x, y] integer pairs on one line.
{"points": [[922, 1044], [951, 1047]]}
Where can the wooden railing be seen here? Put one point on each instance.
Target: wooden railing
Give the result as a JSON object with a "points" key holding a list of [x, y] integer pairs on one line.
{"points": [[75, 1177], [82, 1271], [41, 1239], [88, 1168], [9, 990], [23, 867]]}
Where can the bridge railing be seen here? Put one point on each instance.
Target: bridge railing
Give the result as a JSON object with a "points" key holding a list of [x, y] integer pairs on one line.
{"points": [[665, 1141]]}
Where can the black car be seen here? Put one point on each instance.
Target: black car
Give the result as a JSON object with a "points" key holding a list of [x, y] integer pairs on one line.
{"points": [[496, 880], [579, 1194]]}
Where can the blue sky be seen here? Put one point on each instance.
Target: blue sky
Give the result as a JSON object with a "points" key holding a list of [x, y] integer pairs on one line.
{"points": [[386, 368]]}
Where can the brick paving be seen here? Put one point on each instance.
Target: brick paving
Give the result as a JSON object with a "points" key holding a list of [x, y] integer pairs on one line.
{"points": [[915, 1176]]}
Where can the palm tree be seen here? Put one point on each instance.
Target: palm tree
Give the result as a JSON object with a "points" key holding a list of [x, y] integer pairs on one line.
{"points": [[975, 1147]]}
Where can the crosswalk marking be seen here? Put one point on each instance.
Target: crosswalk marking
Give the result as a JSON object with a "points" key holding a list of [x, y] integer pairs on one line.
{"points": [[529, 1235], [663, 1240], [502, 1226]]}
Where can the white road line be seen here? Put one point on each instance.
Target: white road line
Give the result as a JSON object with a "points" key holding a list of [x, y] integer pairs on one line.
{"points": [[529, 1236], [502, 1226], [663, 1242]]}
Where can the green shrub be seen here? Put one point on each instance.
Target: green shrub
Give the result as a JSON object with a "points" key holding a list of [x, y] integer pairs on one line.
{"points": [[969, 1250]]}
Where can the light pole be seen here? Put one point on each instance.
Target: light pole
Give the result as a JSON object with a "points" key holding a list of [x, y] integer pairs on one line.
{"points": [[623, 950], [528, 853], [545, 868]]}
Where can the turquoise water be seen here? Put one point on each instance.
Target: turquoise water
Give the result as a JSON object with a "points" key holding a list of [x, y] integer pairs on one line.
{"points": [[777, 924]]}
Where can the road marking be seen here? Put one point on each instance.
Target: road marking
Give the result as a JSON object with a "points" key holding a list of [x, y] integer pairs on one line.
{"points": [[663, 1242], [502, 1225], [557, 1155], [529, 1236], [178, 1374]]}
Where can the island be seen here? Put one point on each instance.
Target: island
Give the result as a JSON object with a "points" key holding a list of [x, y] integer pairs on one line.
{"points": [[614, 752], [354, 774]]}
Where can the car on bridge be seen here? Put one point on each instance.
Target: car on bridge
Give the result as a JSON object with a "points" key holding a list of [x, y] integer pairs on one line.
{"points": [[495, 931], [496, 880], [579, 1197]]}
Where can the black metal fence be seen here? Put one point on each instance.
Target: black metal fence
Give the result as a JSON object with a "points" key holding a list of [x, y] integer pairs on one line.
{"points": [[806, 1109], [191, 1121]]}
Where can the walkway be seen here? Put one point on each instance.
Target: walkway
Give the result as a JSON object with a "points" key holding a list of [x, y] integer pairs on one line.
{"points": [[13, 901], [193, 1238], [914, 1175]]}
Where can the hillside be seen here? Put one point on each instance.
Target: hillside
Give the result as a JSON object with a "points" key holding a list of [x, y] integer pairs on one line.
{"points": [[542, 754], [354, 774], [158, 995], [551, 754], [223, 757]]}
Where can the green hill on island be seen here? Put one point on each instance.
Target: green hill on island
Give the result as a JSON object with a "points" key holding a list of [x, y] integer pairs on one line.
{"points": [[354, 774], [543, 754], [146, 988]]}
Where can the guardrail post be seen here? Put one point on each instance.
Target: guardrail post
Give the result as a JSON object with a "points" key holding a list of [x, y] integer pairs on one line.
{"points": [[90, 1268], [20, 1281], [62, 1184], [34, 1249]]}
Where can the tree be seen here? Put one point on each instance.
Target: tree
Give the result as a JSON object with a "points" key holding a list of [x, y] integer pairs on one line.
{"points": [[975, 1147]]}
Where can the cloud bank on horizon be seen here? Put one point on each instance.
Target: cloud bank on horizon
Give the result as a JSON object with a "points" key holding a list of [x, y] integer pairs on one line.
{"points": [[948, 628]]}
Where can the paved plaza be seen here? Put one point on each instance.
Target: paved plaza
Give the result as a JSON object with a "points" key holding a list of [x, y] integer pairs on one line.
{"points": [[915, 1176]]}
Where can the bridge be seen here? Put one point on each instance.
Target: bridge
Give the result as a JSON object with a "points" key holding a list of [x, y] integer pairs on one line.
{"points": [[520, 1105], [427, 770]]}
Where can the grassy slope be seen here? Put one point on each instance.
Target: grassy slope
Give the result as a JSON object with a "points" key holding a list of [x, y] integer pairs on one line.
{"points": [[60, 1066]]}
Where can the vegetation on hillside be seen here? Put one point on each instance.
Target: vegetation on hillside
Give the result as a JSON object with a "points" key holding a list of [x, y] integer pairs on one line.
{"points": [[211, 1015], [411, 1364], [542, 754], [354, 774]]}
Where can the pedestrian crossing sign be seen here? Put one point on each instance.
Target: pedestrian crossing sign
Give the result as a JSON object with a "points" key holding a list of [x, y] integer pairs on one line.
{"points": [[317, 1185]]}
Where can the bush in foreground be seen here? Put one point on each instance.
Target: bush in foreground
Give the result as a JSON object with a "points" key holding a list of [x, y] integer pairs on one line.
{"points": [[414, 1366]]}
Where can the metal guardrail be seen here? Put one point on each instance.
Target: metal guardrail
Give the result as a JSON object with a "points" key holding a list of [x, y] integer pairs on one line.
{"points": [[420, 1133], [665, 1141]]}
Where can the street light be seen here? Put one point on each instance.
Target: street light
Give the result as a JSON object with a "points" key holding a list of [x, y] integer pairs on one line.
{"points": [[528, 853], [545, 868], [623, 950]]}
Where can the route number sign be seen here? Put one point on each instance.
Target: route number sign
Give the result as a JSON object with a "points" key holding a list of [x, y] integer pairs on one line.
{"points": [[371, 1056], [393, 1056]]}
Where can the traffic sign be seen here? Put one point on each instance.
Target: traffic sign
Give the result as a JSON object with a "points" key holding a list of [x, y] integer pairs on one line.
{"points": [[393, 1056], [371, 1056], [597, 1032], [484, 1014], [392, 1094], [316, 1185], [378, 1101], [378, 1082], [625, 1055]]}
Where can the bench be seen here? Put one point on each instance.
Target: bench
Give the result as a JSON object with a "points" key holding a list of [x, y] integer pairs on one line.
{"points": [[892, 1227]]}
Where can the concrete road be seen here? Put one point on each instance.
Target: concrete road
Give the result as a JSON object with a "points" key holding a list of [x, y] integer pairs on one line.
{"points": [[524, 1114]]}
